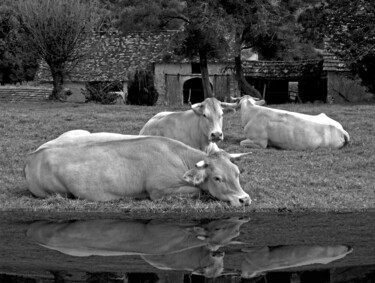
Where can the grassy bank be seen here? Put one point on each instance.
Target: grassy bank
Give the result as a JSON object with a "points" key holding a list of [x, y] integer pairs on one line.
{"points": [[277, 180]]}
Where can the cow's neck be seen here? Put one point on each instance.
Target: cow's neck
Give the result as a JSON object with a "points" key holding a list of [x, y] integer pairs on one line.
{"points": [[248, 111], [192, 156], [198, 139]]}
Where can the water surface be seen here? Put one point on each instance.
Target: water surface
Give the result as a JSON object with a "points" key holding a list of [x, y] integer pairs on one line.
{"points": [[237, 248]]}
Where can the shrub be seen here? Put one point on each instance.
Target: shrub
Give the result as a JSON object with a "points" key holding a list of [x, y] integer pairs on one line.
{"points": [[102, 92], [141, 89]]}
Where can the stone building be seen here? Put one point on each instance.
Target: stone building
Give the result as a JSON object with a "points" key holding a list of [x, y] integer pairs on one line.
{"points": [[114, 57]]}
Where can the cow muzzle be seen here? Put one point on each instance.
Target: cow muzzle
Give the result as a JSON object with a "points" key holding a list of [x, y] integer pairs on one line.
{"points": [[241, 201], [216, 136]]}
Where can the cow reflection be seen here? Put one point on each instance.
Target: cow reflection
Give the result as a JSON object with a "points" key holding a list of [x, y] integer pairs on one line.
{"points": [[200, 261], [164, 245], [261, 260]]}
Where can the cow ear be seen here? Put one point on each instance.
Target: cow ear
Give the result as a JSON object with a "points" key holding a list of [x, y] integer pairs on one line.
{"points": [[195, 176], [230, 107], [260, 102], [197, 108], [238, 155]]}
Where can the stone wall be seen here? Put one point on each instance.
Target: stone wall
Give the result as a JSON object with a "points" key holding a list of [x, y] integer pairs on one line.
{"points": [[22, 94]]}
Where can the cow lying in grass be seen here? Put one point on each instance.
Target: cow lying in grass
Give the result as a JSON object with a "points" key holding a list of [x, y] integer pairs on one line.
{"points": [[264, 126], [107, 166]]}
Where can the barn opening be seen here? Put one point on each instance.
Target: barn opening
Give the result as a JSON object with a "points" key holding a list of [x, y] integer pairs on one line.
{"points": [[273, 91], [193, 91], [281, 91]]}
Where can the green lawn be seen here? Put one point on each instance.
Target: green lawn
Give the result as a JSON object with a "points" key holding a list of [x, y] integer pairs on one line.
{"points": [[276, 180]]}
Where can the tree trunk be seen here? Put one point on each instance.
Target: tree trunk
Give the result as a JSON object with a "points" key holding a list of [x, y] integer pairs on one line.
{"points": [[241, 80], [58, 85], [207, 90]]}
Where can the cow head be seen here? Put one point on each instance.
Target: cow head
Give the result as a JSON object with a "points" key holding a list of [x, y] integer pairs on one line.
{"points": [[210, 113], [217, 175], [248, 100], [221, 232]]}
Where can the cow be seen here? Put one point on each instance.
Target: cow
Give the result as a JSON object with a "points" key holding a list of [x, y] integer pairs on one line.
{"points": [[165, 245], [264, 126], [197, 127], [110, 237], [260, 260], [108, 166]]}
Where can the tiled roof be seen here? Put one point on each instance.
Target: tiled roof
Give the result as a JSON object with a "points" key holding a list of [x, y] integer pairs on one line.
{"points": [[282, 69], [114, 56]]}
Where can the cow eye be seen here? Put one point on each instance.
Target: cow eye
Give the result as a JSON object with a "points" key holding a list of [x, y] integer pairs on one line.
{"points": [[218, 179], [204, 115]]}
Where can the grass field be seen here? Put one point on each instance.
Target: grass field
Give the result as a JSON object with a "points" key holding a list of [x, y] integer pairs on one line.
{"points": [[276, 180]]}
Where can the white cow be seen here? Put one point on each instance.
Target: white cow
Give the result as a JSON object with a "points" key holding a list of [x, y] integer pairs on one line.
{"points": [[265, 126], [197, 127], [107, 166]]}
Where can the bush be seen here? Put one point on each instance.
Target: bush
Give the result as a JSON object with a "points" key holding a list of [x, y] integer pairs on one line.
{"points": [[141, 89], [102, 92]]}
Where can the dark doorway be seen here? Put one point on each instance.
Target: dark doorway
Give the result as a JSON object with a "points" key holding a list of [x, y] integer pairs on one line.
{"points": [[275, 91], [193, 91]]}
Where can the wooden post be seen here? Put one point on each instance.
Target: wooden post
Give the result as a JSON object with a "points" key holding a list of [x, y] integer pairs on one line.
{"points": [[264, 91]]}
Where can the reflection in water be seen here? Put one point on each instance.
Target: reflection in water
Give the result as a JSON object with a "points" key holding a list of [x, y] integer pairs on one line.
{"points": [[194, 247], [259, 260], [165, 245]]}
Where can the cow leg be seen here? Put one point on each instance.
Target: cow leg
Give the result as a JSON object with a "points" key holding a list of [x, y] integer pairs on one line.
{"points": [[253, 144]]}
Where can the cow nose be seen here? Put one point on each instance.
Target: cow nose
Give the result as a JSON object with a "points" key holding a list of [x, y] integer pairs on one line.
{"points": [[245, 200], [216, 136]]}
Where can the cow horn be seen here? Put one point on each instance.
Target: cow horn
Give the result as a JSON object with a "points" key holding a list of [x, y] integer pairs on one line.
{"points": [[235, 98], [238, 155]]}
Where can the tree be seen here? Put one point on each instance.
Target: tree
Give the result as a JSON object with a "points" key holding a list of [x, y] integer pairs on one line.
{"points": [[267, 27], [17, 63], [348, 29], [55, 29], [351, 36], [203, 36], [200, 27]]}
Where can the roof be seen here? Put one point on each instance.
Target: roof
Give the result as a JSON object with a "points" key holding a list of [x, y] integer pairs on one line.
{"points": [[113, 56], [283, 69], [332, 62]]}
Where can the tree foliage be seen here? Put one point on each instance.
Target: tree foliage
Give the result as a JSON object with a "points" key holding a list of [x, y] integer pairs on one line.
{"points": [[348, 29], [17, 62], [141, 89], [55, 29]]}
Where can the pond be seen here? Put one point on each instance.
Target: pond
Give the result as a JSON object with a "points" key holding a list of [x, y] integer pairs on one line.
{"points": [[318, 247]]}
